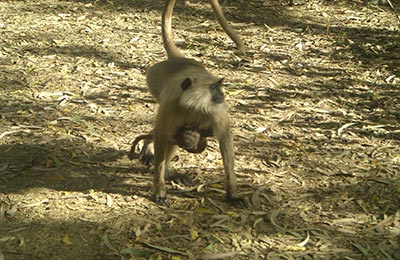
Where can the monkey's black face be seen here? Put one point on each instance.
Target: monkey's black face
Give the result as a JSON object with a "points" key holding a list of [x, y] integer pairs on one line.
{"points": [[217, 95], [200, 94]]}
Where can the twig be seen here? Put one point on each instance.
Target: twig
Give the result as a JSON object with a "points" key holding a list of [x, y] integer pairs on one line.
{"points": [[215, 205], [12, 132], [269, 28], [19, 128]]}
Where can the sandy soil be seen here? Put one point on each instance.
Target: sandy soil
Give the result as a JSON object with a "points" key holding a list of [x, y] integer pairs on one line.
{"points": [[315, 110]]}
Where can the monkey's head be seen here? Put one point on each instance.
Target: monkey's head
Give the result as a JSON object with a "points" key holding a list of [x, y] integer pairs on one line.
{"points": [[202, 94]]}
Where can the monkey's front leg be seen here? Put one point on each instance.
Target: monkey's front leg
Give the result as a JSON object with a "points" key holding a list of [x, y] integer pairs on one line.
{"points": [[226, 147]]}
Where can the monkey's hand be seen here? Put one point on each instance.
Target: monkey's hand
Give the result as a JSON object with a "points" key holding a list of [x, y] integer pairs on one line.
{"points": [[146, 155], [160, 197], [190, 139]]}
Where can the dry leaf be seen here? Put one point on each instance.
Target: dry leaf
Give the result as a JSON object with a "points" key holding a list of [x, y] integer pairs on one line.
{"points": [[106, 242], [166, 249], [194, 233], [109, 201], [66, 240]]}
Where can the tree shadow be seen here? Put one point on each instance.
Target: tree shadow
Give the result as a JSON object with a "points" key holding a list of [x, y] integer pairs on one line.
{"points": [[70, 166]]}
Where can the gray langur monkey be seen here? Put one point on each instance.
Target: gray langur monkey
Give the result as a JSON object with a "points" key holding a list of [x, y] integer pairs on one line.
{"points": [[188, 95], [188, 138]]}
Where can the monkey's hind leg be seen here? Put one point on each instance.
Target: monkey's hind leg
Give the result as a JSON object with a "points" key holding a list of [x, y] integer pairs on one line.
{"points": [[164, 151]]}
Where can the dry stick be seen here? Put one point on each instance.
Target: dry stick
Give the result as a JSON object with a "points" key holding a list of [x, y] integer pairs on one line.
{"points": [[13, 131], [20, 128]]}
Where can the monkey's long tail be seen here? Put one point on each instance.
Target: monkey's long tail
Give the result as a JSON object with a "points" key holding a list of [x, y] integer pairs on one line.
{"points": [[169, 44], [227, 28]]}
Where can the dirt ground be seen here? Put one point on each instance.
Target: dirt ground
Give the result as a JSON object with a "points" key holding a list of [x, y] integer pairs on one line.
{"points": [[315, 110]]}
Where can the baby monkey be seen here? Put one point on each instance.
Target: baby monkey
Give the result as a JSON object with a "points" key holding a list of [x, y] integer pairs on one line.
{"points": [[190, 139]]}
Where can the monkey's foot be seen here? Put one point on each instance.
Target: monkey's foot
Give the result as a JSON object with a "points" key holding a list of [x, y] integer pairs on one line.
{"points": [[237, 202], [160, 200]]}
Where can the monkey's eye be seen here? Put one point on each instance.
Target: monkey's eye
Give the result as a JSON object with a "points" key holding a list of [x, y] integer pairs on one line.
{"points": [[186, 83]]}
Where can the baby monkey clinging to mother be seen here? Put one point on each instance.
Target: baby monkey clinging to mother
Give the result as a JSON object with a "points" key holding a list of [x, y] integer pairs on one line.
{"points": [[190, 99]]}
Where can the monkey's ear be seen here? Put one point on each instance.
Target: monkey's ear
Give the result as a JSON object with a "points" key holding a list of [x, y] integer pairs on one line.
{"points": [[186, 83]]}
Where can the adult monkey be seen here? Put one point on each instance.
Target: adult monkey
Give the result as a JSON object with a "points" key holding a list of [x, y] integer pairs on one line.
{"points": [[188, 95], [187, 138]]}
